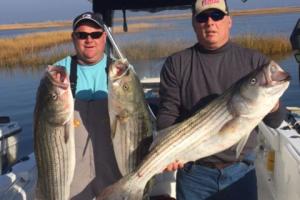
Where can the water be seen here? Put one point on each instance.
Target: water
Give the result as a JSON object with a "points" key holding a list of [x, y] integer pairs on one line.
{"points": [[17, 100], [170, 30], [18, 86], [14, 33]]}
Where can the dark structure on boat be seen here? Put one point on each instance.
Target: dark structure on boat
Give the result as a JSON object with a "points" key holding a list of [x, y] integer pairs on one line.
{"points": [[106, 8]]}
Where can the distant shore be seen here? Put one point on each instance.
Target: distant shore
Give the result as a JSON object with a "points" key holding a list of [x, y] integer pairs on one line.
{"points": [[67, 24]]}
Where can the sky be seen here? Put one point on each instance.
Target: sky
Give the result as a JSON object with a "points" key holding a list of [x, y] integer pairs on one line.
{"points": [[20, 11]]}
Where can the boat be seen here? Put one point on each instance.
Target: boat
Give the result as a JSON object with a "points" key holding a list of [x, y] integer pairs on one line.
{"points": [[278, 159], [278, 150], [9, 134], [17, 176]]}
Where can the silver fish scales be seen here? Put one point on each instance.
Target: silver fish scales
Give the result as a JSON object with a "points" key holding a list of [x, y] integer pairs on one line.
{"points": [[130, 117], [54, 146]]}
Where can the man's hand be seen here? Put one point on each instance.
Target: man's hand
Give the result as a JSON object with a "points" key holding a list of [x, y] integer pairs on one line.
{"points": [[174, 166]]}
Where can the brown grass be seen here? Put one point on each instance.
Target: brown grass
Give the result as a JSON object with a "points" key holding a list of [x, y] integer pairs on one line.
{"points": [[275, 47], [269, 45], [26, 50], [36, 25], [21, 49], [140, 50], [138, 27]]}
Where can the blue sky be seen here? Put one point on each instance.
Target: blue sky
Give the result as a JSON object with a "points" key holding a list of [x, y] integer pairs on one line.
{"points": [[18, 11]]}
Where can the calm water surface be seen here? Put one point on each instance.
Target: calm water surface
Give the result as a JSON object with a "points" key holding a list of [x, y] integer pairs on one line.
{"points": [[18, 87]]}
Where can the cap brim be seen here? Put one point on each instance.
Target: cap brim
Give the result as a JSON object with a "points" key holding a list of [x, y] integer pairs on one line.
{"points": [[75, 25], [225, 12]]}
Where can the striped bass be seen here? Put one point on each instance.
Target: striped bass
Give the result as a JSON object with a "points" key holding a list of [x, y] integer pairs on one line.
{"points": [[54, 146], [130, 118], [224, 122]]}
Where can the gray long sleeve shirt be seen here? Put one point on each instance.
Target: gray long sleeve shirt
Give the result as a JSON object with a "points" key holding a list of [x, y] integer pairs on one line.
{"points": [[190, 79]]}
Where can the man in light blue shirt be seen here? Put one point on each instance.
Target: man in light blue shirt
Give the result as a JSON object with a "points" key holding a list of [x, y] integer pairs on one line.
{"points": [[89, 40], [96, 165]]}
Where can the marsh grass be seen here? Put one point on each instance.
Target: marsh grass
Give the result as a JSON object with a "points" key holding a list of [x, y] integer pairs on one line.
{"points": [[36, 25], [276, 47], [27, 50], [24, 50], [147, 50], [272, 46]]}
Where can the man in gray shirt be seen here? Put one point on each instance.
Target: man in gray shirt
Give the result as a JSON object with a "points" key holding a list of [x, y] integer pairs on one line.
{"points": [[190, 79]]}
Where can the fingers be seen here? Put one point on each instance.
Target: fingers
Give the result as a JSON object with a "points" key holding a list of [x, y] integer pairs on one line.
{"points": [[174, 166]]}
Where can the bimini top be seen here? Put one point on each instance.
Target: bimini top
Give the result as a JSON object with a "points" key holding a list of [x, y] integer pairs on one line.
{"points": [[150, 5]]}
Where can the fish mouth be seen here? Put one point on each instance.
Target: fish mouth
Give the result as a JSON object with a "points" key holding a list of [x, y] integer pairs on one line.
{"points": [[274, 75], [119, 69], [58, 76]]}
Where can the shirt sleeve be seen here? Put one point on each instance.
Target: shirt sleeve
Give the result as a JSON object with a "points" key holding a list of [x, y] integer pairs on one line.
{"points": [[274, 119], [169, 92]]}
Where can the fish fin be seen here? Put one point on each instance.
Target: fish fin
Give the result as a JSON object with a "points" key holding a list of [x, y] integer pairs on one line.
{"points": [[67, 132], [158, 135], [230, 128], [123, 116], [241, 145], [113, 125]]}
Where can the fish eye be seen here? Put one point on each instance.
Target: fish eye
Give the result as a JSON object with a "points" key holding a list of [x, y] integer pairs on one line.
{"points": [[125, 87], [253, 81], [53, 96]]}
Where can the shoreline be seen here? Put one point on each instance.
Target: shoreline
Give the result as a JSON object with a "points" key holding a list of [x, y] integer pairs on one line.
{"points": [[68, 24]]}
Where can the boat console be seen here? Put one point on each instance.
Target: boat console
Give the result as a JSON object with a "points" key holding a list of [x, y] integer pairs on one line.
{"points": [[9, 132]]}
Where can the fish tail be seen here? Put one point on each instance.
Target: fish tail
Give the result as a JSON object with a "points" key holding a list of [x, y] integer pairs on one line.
{"points": [[130, 187]]}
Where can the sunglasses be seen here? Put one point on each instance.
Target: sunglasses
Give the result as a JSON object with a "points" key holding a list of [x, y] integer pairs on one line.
{"points": [[215, 15], [85, 35]]}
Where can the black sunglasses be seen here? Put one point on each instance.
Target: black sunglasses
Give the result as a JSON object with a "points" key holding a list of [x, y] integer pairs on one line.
{"points": [[215, 15], [84, 35]]}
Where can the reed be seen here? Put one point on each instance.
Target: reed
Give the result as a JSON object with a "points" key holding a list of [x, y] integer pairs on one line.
{"points": [[269, 45], [152, 50], [45, 48], [24, 50], [276, 47]]}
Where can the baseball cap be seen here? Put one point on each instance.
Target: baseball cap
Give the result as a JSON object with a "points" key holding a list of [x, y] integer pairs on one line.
{"points": [[88, 16], [203, 5]]}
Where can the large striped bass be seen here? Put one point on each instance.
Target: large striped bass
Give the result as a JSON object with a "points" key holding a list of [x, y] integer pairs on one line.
{"points": [[224, 122], [130, 118], [54, 146]]}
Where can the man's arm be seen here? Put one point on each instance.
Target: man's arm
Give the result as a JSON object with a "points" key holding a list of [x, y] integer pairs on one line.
{"points": [[169, 106], [276, 116], [169, 92]]}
